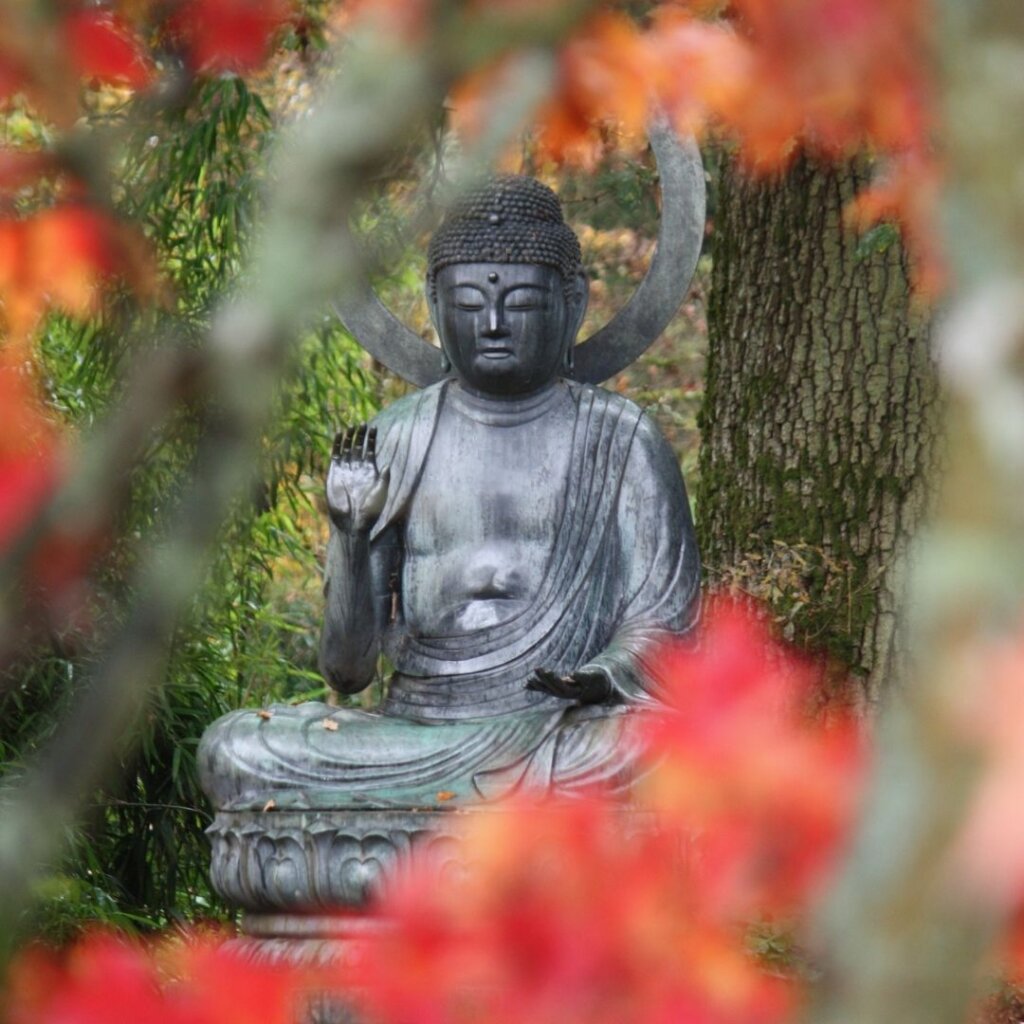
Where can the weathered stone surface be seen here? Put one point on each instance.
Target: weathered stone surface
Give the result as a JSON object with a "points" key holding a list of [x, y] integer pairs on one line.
{"points": [[308, 861]]}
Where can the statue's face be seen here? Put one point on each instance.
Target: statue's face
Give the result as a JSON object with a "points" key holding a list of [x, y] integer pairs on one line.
{"points": [[505, 326]]}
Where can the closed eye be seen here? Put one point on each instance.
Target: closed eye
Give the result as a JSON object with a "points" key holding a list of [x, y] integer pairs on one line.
{"points": [[527, 298], [468, 298]]}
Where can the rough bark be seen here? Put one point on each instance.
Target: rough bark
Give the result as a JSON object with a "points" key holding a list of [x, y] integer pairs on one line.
{"points": [[819, 416]]}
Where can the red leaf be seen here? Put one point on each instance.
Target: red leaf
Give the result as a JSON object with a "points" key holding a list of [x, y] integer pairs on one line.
{"points": [[26, 484], [104, 981], [30, 472], [228, 35], [19, 168], [108, 980], [786, 780], [12, 76], [104, 48]]}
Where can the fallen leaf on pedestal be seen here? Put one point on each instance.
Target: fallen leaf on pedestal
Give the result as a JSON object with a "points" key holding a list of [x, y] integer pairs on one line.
{"points": [[445, 795], [266, 715], [330, 725], [269, 805]]}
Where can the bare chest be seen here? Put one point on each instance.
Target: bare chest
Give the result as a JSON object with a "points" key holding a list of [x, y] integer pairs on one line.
{"points": [[489, 485], [482, 524]]}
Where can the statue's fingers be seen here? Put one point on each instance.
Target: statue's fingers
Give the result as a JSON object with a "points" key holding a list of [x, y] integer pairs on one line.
{"points": [[535, 681], [336, 447], [366, 443], [346, 444], [545, 681], [371, 445]]}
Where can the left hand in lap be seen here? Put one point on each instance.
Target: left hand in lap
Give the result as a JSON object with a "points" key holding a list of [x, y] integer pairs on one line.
{"points": [[584, 686]]}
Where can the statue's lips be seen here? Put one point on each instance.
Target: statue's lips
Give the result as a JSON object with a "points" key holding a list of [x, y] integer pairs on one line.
{"points": [[494, 352]]}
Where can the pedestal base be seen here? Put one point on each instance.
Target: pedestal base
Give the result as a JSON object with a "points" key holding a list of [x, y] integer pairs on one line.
{"points": [[311, 940], [307, 862], [306, 879]]}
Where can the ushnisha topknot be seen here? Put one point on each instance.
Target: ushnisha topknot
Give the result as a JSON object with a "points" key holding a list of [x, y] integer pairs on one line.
{"points": [[510, 218]]}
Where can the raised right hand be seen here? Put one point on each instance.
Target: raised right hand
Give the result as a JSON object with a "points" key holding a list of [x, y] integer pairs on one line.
{"points": [[356, 490]]}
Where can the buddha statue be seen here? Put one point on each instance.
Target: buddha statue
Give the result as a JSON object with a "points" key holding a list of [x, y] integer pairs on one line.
{"points": [[517, 544]]}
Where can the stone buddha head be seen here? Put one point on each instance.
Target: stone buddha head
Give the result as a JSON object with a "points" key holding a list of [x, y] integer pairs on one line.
{"points": [[506, 287]]}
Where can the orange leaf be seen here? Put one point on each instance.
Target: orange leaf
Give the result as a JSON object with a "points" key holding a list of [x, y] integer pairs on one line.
{"points": [[63, 257], [604, 77]]}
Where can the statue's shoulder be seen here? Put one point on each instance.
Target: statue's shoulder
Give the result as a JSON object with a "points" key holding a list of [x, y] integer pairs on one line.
{"points": [[405, 430], [611, 403], [417, 405], [647, 444]]}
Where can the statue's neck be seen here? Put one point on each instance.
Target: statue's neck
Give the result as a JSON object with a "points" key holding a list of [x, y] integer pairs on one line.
{"points": [[505, 410]]}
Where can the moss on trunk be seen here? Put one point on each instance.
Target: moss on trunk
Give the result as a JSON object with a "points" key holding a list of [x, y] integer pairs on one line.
{"points": [[819, 417]]}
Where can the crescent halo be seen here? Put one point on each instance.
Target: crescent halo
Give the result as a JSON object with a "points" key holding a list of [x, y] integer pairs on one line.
{"points": [[628, 334]]}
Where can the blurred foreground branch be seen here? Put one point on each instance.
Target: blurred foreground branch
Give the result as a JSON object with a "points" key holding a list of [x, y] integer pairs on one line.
{"points": [[905, 933], [383, 96]]}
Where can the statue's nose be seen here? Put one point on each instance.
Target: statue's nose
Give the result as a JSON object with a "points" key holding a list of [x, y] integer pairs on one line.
{"points": [[495, 322]]}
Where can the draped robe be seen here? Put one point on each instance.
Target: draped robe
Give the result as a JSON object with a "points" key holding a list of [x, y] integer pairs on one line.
{"points": [[458, 723]]}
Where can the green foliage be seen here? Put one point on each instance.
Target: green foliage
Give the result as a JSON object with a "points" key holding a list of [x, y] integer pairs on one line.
{"points": [[876, 239], [619, 193], [192, 179]]}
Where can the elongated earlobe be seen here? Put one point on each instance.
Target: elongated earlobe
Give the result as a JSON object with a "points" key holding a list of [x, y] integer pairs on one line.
{"points": [[446, 363]]}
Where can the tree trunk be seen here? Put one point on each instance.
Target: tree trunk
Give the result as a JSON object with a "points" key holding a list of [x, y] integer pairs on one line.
{"points": [[819, 416]]}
